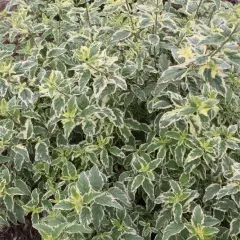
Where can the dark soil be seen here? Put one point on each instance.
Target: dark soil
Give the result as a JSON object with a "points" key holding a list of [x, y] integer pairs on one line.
{"points": [[20, 232]]}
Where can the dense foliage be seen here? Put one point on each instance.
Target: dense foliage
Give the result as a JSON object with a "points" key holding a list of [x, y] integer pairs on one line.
{"points": [[120, 119]]}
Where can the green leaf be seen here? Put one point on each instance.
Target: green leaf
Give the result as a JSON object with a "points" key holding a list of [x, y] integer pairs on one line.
{"points": [[3, 222], [4, 54], [104, 158], [137, 182], [35, 196], [28, 133], [119, 195], [179, 153], [89, 197], [85, 216], [92, 158], [211, 221], [117, 152], [148, 188], [57, 231], [97, 214], [222, 148], [120, 82], [69, 171], [23, 67], [3, 87], [194, 154], [42, 228], [209, 231], [68, 127], [233, 57], [41, 152], [172, 74], [131, 236], [5, 159], [172, 229], [22, 186], [99, 84], [213, 39], [153, 39], [197, 216], [138, 92], [58, 105], [235, 226], [163, 218], [64, 205], [26, 96], [89, 127], [56, 52], [175, 187], [227, 190], [155, 163], [78, 228], [83, 183], [121, 35], [211, 191], [107, 200], [177, 212], [19, 213], [14, 191], [8, 202], [84, 79], [96, 179]]}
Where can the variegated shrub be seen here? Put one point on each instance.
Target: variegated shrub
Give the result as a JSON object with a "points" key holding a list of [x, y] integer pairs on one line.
{"points": [[119, 119]]}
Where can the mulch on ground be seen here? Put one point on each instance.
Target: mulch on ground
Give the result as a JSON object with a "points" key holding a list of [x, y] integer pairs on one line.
{"points": [[20, 232]]}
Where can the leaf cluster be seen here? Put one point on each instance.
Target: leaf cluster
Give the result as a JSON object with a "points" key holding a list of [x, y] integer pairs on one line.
{"points": [[119, 119]]}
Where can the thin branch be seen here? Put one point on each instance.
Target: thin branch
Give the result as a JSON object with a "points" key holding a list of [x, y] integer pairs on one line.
{"points": [[156, 18], [97, 70], [210, 19], [199, 5], [155, 31], [130, 16], [88, 15], [223, 43]]}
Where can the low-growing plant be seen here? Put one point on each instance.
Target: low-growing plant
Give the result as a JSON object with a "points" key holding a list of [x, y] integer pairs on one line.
{"points": [[119, 119]]}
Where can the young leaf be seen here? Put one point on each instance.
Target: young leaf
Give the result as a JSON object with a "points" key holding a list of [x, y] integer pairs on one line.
{"points": [[197, 216]]}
